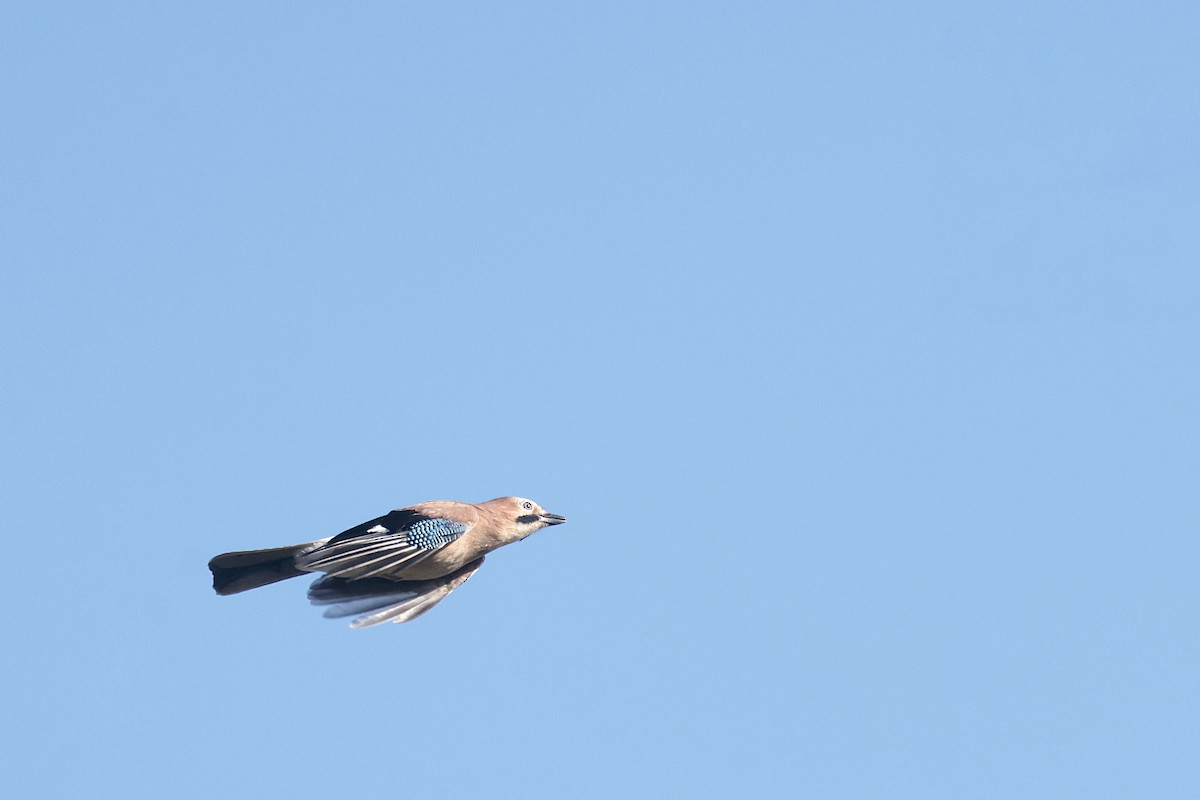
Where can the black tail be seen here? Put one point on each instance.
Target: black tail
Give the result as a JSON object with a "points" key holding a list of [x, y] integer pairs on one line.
{"points": [[249, 569]]}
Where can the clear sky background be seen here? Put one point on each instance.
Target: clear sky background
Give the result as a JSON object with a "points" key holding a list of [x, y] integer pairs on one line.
{"points": [[858, 341]]}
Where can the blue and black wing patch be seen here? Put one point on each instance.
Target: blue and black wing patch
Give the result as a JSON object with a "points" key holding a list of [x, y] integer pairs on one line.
{"points": [[383, 546], [430, 534]]}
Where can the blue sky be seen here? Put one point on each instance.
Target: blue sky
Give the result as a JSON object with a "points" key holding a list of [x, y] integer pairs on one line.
{"points": [[858, 342]]}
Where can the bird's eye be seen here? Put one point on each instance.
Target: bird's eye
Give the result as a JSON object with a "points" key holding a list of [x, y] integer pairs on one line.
{"points": [[527, 505]]}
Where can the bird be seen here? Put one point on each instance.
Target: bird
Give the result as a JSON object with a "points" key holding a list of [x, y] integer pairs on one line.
{"points": [[392, 568]]}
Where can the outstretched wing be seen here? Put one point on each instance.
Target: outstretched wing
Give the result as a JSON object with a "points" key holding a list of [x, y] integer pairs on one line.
{"points": [[377, 600], [383, 546]]}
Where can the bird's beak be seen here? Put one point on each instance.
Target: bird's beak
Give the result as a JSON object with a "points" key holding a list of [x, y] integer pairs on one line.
{"points": [[553, 519]]}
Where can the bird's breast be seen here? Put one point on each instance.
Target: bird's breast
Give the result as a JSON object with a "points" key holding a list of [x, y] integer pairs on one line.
{"points": [[450, 558]]}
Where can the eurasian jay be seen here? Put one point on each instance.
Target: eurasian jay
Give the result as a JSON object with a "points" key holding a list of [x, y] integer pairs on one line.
{"points": [[393, 568]]}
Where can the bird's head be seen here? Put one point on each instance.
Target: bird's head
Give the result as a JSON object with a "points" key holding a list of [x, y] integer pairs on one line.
{"points": [[523, 516]]}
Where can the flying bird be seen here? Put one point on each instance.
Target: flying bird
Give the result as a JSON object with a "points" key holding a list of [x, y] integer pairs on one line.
{"points": [[393, 568]]}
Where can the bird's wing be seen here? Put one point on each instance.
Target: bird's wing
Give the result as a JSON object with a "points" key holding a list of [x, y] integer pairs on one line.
{"points": [[383, 545], [377, 600]]}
